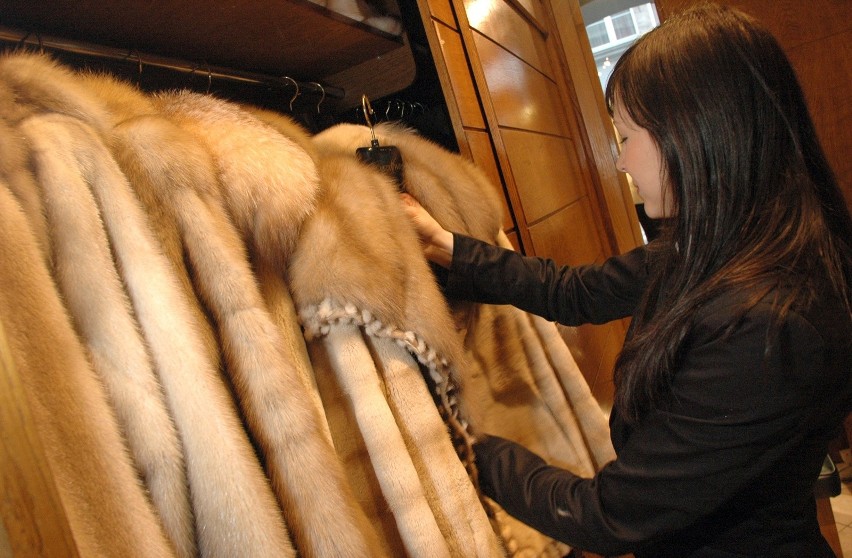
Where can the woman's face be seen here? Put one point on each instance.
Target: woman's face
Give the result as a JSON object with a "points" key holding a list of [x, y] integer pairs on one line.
{"points": [[640, 158]]}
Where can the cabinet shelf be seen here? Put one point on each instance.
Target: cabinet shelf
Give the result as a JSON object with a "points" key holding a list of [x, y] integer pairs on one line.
{"points": [[296, 38]]}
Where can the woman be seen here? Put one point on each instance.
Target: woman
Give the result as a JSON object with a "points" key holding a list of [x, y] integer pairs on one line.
{"points": [[735, 373]]}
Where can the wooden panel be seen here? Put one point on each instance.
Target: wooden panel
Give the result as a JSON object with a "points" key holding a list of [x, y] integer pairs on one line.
{"points": [[460, 79], [483, 157], [516, 97], [397, 67], [568, 236], [513, 238], [534, 10], [601, 345], [522, 97], [815, 35], [501, 23], [826, 83], [442, 11], [546, 172], [615, 201], [793, 22]]}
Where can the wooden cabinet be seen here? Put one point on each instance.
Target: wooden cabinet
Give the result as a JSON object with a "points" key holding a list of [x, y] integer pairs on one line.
{"points": [[267, 40], [519, 80]]}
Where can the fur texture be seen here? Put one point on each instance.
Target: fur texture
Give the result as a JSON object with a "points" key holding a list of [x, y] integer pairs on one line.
{"points": [[451, 495], [355, 372], [16, 172], [104, 502], [508, 381], [353, 266], [70, 159], [41, 85], [270, 183], [267, 203], [224, 471], [457, 193], [214, 231]]}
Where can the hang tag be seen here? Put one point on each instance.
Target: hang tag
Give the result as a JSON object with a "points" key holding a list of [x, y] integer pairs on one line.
{"points": [[386, 158]]}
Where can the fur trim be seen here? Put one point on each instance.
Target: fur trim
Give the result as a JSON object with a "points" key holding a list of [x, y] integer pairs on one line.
{"points": [[352, 267], [450, 187], [286, 126], [356, 375], [451, 494]]}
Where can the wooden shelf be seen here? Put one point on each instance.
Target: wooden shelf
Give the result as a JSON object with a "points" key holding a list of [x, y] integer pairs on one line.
{"points": [[282, 37]]}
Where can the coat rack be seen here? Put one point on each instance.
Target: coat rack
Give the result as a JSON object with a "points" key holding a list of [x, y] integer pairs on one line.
{"points": [[21, 39]]}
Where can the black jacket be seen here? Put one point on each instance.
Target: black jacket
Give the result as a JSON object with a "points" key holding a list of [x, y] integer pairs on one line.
{"points": [[727, 469]]}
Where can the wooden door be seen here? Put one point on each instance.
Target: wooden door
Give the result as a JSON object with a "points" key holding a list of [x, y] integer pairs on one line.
{"points": [[518, 113]]}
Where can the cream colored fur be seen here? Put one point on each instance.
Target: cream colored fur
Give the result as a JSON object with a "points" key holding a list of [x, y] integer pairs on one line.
{"points": [[353, 266], [225, 476], [268, 186], [41, 85], [236, 510], [507, 371], [127, 103], [106, 505], [15, 171], [448, 488], [279, 301], [215, 215], [457, 193], [273, 285], [287, 127], [270, 183], [69, 160], [355, 373], [587, 411]]}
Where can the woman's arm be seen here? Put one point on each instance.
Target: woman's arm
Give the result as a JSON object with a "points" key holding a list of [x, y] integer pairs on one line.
{"points": [[481, 272]]}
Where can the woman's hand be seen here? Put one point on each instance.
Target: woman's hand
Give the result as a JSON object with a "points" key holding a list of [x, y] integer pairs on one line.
{"points": [[437, 242]]}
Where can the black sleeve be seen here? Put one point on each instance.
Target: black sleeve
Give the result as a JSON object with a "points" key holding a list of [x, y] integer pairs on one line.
{"points": [[481, 272], [736, 419]]}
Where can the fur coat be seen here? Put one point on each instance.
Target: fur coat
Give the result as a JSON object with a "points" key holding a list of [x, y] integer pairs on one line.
{"points": [[240, 349]]}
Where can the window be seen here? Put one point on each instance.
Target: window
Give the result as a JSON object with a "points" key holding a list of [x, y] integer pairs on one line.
{"points": [[623, 26], [598, 35], [617, 25]]}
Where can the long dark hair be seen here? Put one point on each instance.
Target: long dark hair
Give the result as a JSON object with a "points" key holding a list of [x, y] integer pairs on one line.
{"points": [[756, 207]]}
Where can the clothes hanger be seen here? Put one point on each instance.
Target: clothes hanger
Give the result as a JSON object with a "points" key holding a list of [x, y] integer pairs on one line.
{"points": [[298, 92], [387, 158], [322, 90]]}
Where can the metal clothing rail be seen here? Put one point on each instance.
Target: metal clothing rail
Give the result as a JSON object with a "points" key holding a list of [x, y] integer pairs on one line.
{"points": [[22, 38]]}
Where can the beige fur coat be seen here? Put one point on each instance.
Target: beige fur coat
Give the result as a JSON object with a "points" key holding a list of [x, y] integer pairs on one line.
{"points": [[232, 345]]}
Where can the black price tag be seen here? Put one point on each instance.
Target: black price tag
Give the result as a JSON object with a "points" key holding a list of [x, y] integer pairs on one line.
{"points": [[386, 158]]}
